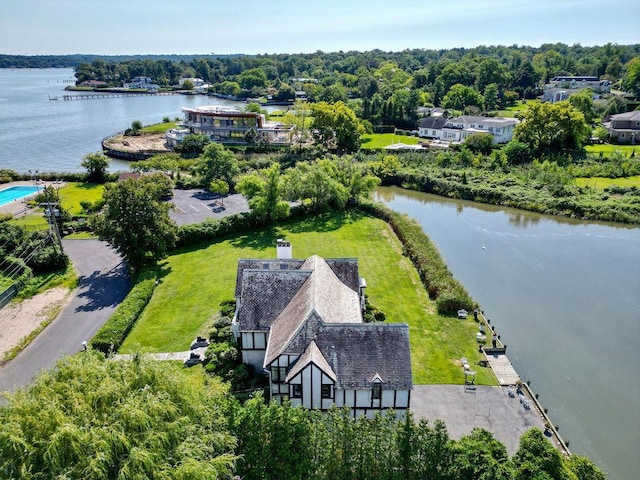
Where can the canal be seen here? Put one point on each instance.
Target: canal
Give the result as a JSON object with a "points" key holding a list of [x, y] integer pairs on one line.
{"points": [[565, 297]]}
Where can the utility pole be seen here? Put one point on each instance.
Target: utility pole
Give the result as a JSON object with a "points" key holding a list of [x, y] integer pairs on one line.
{"points": [[51, 212]]}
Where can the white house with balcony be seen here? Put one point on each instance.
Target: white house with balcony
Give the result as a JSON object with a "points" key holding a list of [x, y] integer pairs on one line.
{"points": [[457, 129], [226, 124], [300, 322]]}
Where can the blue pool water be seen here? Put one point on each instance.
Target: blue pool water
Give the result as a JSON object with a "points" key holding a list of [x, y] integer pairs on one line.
{"points": [[10, 194]]}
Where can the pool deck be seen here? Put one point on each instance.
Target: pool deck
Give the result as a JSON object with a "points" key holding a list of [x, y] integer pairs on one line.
{"points": [[20, 207]]}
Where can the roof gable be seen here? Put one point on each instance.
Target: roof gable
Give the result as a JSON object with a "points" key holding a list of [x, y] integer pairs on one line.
{"points": [[323, 298], [312, 355]]}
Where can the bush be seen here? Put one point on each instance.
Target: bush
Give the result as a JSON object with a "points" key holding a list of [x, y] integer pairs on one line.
{"points": [[5, 217], [449, 295], [48, 259], [115, 330]]}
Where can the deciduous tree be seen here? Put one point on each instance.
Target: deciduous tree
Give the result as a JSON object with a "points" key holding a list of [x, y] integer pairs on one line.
{"points": [[96, 165], [217, 163], [460, 96], [336, 127], [135, 222], [264, 190], [552, 126]]}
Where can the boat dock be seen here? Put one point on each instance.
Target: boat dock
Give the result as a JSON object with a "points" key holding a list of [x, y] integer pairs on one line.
{"points": [[94, 96]]}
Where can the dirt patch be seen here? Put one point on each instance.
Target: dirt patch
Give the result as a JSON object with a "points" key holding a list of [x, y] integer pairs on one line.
{"points": [[18, 320], [146, 142]]}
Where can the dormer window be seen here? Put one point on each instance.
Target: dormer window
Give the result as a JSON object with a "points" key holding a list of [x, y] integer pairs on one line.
{"points": [[376, 391]]}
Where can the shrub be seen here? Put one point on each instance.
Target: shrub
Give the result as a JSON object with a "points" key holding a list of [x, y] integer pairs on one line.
{"points": [[5, 217], [48, 259], [115, 330], [449, 294]]}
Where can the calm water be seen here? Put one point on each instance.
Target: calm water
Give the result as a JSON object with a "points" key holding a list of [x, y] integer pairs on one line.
{"points": [[565, 297], [39, 134]]}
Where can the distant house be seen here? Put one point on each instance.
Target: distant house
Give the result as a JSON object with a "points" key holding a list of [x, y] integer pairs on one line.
{"points": [[457, 129], [93, 83], [229, 125], [142, 83], [300, 322], [624, 127], [562, 87], [431, 127]]}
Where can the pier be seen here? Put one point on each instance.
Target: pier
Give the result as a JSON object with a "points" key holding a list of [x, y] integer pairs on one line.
{"points": [[94, 96]]}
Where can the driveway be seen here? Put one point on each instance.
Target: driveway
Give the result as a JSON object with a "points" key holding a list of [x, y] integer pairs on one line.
{"points": [[192, 206], [103, 284], [490, 408]]}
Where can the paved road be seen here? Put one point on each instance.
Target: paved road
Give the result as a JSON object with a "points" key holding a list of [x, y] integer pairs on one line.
{"points": [[102, 286]]}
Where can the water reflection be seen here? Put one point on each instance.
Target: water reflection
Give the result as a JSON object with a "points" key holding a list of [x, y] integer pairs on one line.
{"points": [[564, 294]]}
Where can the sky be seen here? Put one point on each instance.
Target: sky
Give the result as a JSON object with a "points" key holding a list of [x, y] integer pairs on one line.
{"points": [[119, 27]]}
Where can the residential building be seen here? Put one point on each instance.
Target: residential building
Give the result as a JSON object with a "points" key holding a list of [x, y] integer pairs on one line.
{"points": [[579, 83], [228, 125], [562, 87], [624, 127], [142, 82], [301, 323], [457, 129]]}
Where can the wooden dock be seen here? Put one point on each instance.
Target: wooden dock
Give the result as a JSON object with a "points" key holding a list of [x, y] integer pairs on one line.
{"points": [[501, 366], [94, 96]]}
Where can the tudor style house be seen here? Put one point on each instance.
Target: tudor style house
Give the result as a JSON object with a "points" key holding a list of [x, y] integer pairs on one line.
{"points": [[300, 322], [457, 129]]}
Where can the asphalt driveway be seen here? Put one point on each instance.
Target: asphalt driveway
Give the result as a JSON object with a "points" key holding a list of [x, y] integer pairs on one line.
{"points": [[192, 206], [103, 284]]}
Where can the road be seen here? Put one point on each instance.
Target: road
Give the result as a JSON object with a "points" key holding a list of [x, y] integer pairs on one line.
{"points": [[103, 284]]}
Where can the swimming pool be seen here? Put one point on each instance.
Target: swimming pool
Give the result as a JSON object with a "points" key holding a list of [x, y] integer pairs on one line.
{"points": [[11, 194]]}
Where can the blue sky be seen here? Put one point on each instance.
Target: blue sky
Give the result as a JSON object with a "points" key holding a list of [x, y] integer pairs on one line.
{"points": [[44, 27]]}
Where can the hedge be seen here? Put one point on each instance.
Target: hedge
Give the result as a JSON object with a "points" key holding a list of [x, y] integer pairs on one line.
{"points": [[115, 330], [449, 295]]}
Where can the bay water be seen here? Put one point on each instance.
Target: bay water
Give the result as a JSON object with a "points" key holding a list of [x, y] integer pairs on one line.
{"points": [[564, 294], [565, 297], [37, 133]]}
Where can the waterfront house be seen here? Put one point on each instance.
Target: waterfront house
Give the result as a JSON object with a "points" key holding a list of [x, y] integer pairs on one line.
{"points": [[457, 129], [300, 322], [229, 125], [624, 127]]}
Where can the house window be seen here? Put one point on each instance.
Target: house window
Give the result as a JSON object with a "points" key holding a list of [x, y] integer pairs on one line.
{"points": [[296, 391], [622, 135], [278, 374], [376, 391], [326, 391]]}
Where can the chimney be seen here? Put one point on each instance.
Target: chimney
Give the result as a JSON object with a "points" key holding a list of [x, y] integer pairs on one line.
{"points": [[283, 249]]}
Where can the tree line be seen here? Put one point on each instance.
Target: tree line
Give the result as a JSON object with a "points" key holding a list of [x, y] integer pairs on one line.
{"points": [[385, 88], [98, 418]]}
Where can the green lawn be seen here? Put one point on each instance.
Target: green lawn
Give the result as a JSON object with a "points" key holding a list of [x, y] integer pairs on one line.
{"points": [[520, 106], [70, 197], [73, 193], [608, 148], [31, 222], [381, 140], [158, 127], [601, 182], [198, 279]]}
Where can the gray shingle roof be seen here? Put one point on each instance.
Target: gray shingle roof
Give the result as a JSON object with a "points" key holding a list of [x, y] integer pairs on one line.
{"points": [[322, 298], [360, 351], [435, 123]]}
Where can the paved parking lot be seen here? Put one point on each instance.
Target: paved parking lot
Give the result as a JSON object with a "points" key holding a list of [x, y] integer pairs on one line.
{"points": [[192, 206], [490, 408]]}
